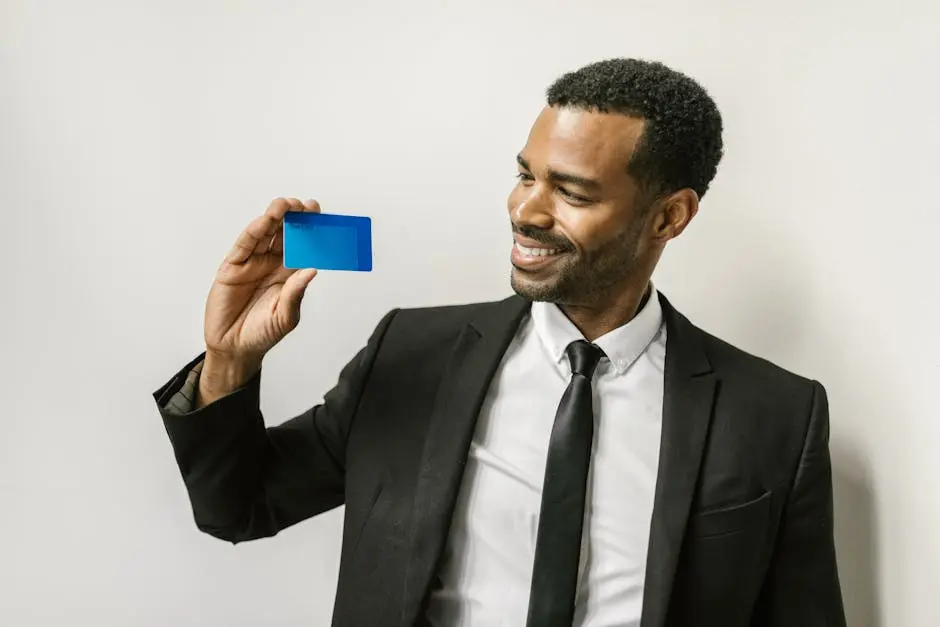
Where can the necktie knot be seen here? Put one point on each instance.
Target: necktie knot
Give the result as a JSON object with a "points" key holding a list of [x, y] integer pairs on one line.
{"points": [[583, 357]]}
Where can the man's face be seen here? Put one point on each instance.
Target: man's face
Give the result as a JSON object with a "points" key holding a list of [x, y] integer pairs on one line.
{"points": [[577, 216]]}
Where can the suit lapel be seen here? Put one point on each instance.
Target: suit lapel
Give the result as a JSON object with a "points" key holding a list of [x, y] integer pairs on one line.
{"points": [[473, 362], [689, 390]]}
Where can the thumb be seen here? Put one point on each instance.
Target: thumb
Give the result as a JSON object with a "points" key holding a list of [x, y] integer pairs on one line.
{"points": [[288, 305]]}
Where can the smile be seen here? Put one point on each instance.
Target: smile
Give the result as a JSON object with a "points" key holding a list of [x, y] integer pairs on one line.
{"points": [[525, 251], [534, 258]]}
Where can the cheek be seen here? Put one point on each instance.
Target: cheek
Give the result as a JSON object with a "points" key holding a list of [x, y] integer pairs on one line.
{"points": [[590, 228]]}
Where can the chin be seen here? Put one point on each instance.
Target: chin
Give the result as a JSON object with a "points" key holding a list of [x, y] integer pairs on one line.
{"points": [[533, 289]]}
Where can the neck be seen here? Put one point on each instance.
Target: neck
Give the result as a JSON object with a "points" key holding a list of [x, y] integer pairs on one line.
{"points": [[599, 319]]}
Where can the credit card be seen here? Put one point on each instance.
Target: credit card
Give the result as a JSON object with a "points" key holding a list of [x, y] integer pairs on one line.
{"points": [[327, 241]]}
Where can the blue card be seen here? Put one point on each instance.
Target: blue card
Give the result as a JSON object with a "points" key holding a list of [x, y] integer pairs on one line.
{"points": [[327, 241]]}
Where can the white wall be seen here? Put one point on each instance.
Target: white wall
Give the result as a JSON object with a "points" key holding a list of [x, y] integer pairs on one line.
{"points": [[136, 139]]}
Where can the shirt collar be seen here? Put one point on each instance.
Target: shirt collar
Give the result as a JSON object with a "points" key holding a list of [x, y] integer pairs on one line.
{"points": [[622, 346]]}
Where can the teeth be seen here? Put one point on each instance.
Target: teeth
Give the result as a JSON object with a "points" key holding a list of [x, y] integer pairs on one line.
{"points": [[535, 252]]}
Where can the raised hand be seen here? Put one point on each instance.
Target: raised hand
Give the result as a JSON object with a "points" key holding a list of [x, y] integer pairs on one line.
{"points": [[254, 302]]}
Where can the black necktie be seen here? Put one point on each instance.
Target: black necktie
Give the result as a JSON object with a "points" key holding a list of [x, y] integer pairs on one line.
{"points": [[558, 544]]}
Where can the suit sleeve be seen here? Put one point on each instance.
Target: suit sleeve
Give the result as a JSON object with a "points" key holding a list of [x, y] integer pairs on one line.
{"points": [[802, 585], [246, 481]]}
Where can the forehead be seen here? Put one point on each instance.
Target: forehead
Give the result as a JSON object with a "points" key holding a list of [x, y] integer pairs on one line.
{"points": [[586, 142]]}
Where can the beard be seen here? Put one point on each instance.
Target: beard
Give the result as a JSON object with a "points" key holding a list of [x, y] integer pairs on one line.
{"points": [[578, 277]]}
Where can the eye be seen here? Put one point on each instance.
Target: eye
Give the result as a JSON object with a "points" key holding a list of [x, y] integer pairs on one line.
{"points": [[574, 197], [525, 177]]}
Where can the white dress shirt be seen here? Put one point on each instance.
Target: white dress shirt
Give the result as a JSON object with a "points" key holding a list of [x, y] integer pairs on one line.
{"points": [[487, 562]]}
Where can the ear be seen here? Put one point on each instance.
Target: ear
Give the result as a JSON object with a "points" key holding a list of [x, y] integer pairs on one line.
{"points": [[674, 214]]}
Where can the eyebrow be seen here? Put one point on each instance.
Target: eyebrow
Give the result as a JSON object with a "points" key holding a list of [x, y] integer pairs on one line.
{"points": [[563, 177]]}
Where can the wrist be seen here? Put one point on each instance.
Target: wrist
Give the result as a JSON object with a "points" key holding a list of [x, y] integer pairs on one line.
{"points": [[224, 374]]}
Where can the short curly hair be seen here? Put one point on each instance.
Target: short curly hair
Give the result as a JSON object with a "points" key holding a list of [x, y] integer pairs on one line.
{"points": [[681, 143]]}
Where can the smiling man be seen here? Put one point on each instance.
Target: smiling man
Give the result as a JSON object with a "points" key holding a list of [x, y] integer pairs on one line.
{"points": [[577, 454], [579, 215]]}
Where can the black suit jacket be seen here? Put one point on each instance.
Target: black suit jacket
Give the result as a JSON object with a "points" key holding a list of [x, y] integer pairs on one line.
{"points": [[742, 526]]}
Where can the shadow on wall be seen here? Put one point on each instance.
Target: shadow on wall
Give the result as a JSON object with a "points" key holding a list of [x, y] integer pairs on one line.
{"points": [[856, 539], [856, 532], [771, 291], [778, 313]]}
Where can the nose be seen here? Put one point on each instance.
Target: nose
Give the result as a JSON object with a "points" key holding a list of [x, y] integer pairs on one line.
{"points": [[532, 210]]}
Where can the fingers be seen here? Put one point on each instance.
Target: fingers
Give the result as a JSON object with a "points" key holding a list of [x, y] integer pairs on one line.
{"points": [[294, 204], [264, 235], [258, 233], [278, 207], [275, 244], [276, 211], [292, 294], [267, 245], [311, 206]]}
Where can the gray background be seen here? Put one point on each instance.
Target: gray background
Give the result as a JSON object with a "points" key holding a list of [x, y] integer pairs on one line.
{"points": [[137, 139]]}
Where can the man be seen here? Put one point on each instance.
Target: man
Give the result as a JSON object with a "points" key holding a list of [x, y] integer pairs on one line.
{"points": [[577, 454]]}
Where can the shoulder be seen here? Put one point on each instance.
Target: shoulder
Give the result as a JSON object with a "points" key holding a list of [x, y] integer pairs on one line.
{"points": [[761, 412], [732, 360], [762, 386], [749, 380]]}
